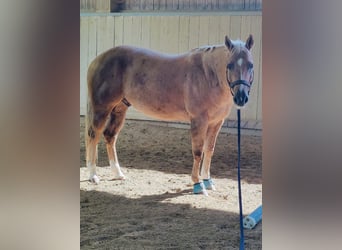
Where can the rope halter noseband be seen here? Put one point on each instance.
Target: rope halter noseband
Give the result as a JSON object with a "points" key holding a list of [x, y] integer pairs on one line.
{"points": [[238, 82]]}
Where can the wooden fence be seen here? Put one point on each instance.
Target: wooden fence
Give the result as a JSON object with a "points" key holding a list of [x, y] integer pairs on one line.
{"points": [[172, 5], [172, 34]]}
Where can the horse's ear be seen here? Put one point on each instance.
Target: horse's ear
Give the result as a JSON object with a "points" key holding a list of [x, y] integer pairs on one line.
{"points": [[229, 43], [249, 42]]}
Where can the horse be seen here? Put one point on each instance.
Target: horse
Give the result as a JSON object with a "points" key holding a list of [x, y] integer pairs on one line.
{"points": [[199, 87]]}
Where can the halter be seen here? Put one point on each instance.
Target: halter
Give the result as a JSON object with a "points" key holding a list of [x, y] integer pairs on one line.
{"points": [[238, 82]]}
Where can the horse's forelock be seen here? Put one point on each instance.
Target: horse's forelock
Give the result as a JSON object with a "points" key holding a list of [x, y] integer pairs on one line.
{"points": [[240, 48]]}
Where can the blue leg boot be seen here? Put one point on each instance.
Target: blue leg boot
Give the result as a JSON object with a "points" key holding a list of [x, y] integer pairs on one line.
{"points": [[209, 184], [199, 188]]}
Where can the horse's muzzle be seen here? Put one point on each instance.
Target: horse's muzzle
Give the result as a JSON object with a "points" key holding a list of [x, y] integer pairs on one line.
{"points": [[241, 97], [241, 92]]}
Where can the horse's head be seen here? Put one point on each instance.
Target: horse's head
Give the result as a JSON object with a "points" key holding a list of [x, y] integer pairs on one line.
{"points": [[240, 71]]}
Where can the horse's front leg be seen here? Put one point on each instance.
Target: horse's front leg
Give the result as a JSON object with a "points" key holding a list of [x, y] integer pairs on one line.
{"points": [[209, 147], [199, 127]]}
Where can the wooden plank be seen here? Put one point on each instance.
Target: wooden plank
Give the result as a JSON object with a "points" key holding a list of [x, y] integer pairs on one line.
{"points": [[256, 27], [109, 36], [193, 5], [223, 4], [224, 27], [259, 102], [83, 5], [203, 38], [169, 39], [258, 4], [235, 27], [84, 35], [246, 26], [163, 29], [135, 5], [155, 32], [127, 30], [214, 38], [118, 30], [101, 34], [149, 4], [90, 5], [145, 31], [161, 4], [194, 32], [142, 5], [250, 4], [186, 4], [128, 4], [237, 4], [215, 5], [136, 31], [208, 5], [199, 5], [92, 30], [146, 4], [256, 51], [102, 6], [168, 5], [98, 6], [183, 34], [175, 4]]}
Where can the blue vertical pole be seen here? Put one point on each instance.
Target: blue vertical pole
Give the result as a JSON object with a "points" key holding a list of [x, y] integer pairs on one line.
{"points": [[242, 243]]}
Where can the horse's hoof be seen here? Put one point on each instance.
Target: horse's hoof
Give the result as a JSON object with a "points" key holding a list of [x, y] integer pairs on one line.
{"points": [[209, 184], [94, 179], [117, 173], [118, 178], [199, 188]]}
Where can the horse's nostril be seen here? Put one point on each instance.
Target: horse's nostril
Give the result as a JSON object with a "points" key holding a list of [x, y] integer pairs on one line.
{"points": [[236, 99]]}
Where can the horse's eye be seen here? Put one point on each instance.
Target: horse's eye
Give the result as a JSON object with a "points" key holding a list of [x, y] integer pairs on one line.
{"points": [[230, 66], [250, 65]]}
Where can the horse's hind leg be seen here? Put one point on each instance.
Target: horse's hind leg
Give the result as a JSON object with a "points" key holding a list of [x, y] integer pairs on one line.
{"points": [[111, 132], [209, 147], [95, 122]]}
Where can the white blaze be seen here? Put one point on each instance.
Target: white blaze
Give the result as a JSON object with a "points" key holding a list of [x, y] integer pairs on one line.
{"points": [[240, 61]]}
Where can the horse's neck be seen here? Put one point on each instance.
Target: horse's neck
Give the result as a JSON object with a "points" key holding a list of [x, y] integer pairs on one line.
{"points": [[216, 60], [213, 55]]}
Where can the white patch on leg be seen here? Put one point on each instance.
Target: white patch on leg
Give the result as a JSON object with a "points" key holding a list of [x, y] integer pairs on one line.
{"points": [[204, 174], [94, 179], [117, 173], [92, 174]]}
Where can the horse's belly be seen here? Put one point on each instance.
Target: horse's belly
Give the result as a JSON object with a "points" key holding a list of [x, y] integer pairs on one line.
{"points": [[171, 113]]}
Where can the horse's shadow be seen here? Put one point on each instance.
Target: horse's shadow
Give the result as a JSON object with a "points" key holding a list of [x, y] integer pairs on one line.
{"points": [[117, 222]]}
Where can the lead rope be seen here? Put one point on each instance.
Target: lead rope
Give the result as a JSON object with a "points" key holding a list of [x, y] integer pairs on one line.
{"points": [[242, 238]]}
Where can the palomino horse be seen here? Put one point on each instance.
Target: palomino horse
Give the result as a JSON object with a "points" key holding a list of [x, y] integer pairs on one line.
{"points": [[199, 87]]}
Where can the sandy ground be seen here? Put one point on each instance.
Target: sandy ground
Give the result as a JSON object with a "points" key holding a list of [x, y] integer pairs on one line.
{"points": [[154, 208]]}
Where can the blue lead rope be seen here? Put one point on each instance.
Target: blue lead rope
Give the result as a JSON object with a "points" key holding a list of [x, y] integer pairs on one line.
{"points": [[242, 238]]}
